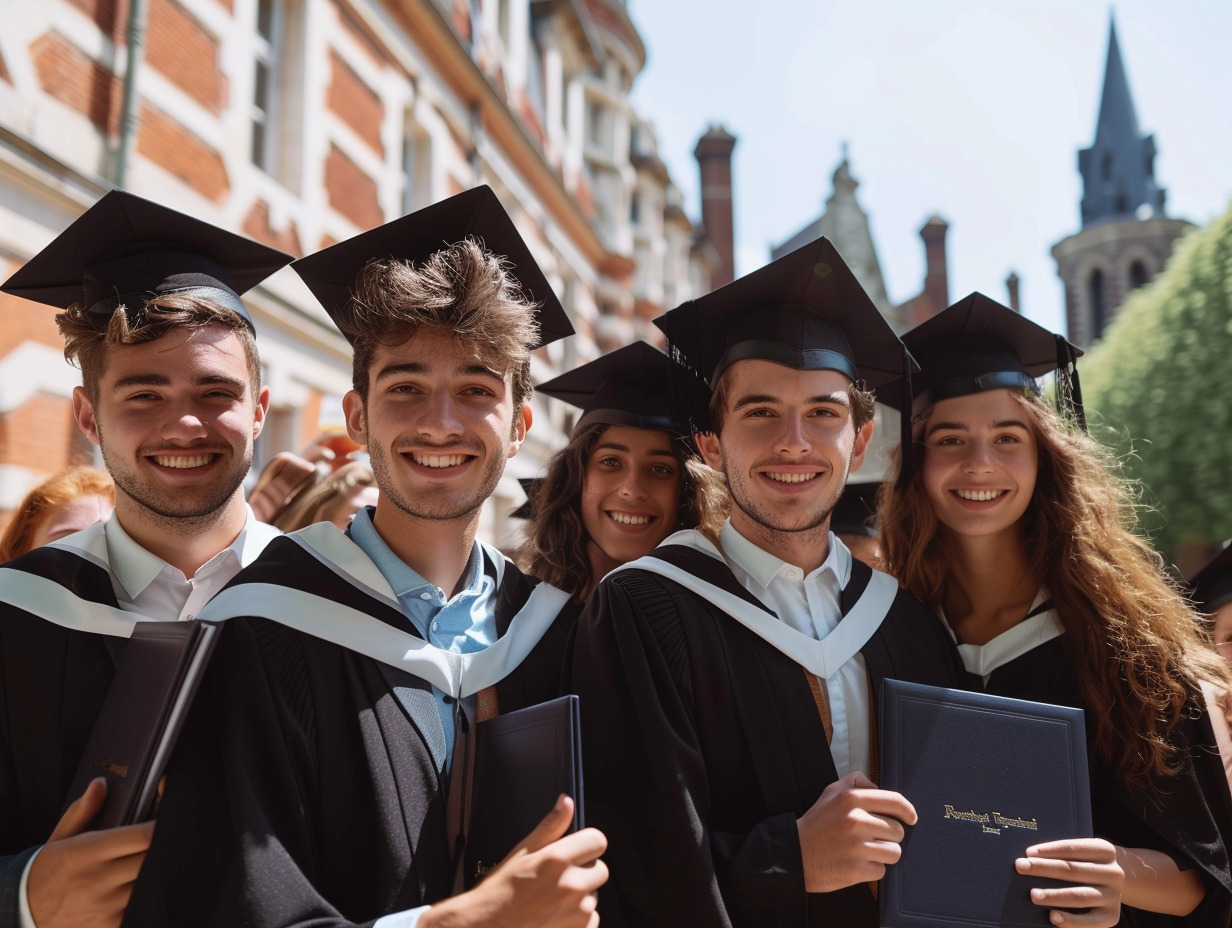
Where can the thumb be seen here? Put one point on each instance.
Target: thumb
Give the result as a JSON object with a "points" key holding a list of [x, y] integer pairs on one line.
{"points": [[858, 779], [553, 827], [77, 817]]}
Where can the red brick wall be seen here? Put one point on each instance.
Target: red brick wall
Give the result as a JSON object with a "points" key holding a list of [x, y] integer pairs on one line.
{"points": [[173, 147], [257, 226], [181, 49], [355, 103], [69, 75], [351, 192], [42, 436], [111, 16]]}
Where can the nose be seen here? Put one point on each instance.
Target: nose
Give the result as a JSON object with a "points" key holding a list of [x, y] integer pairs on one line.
{"points": [[186, 423], [793, 440], [632, 486], [978, 459], [438, 420]]}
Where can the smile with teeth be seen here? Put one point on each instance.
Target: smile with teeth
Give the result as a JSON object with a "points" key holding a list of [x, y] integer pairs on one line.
{"points": [[790, 478], [438, 460], [979, 496], [182, 462], [625, 518]]}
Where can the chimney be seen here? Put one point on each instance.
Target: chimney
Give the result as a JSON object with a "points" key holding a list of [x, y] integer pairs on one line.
{"points": [[713, 154], [1011, 287], [936, 279]]}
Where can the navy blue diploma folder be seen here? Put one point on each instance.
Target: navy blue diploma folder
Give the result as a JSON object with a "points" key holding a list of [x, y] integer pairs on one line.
{"points": [[988, 777]]}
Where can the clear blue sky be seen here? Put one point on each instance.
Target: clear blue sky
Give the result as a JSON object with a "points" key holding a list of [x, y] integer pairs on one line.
{"points": [[968, 108]]}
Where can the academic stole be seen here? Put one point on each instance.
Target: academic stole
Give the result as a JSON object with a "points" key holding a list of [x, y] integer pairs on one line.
{"points": [[461, 776], [822, 699]]}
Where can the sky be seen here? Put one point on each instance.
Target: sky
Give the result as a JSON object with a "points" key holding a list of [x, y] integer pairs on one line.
{"points": [[971, 109]]}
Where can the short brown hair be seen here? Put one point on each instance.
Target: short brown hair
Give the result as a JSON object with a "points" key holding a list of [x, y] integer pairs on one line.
{"points": [[863, 404], [463, 289], [88, 336]]}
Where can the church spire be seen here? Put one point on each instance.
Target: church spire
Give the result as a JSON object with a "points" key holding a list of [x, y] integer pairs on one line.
{"points": [[1118, 170]]}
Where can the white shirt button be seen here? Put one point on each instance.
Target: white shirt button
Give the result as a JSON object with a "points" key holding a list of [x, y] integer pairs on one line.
{"points": [[425, 595]]}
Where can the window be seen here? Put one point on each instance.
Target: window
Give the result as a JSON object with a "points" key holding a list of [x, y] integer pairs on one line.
{"points": [[1095, 295], [594, 122], [266, 51], [635, 208], [416, 167], [1105, 166], [1137, 275]]}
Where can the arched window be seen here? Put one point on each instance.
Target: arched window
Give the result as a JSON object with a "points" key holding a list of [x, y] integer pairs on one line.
{"points": [[1105, 166], [1137, 275], [1099, 306]]}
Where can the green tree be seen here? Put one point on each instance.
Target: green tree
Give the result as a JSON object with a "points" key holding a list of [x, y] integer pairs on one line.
{"points": [[1158, 389]]}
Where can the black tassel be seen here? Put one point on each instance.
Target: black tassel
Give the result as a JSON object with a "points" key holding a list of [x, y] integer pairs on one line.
{"points": [[907, 453]]}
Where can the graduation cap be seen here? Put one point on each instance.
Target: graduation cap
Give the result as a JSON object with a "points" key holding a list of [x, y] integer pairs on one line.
{"points": [[1212, 585], [125, 250], [978, 345], [477, 213], [856, 509], [530, 486], [806, 311], [633, 385]]}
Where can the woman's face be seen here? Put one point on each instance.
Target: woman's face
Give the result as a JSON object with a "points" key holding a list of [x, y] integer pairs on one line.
{"points": [[629, 494], [980, 462]]}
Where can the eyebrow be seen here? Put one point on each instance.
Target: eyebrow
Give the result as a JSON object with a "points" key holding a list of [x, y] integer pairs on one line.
{"points": [[162, 380], [417, 368], [838, 397], [961, 427], [615, 446]]}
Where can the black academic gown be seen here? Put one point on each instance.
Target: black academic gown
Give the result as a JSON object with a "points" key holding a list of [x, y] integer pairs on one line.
{"points": [[52, 683], [306, 788], [703, 744], [1189, 818]]}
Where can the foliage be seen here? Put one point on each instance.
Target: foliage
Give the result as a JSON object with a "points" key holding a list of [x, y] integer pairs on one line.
{"points": [[1158, 390]]}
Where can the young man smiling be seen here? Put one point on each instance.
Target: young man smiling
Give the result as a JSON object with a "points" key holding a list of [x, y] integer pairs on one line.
{"points": [[728, 691], [172, 395], [322, 779]]}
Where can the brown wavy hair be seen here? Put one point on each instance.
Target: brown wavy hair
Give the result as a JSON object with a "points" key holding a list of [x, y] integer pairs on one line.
{"points": [[62, 487], [1138, 648], [462, 288], [557, 546], [88, 336], [316, 503]]}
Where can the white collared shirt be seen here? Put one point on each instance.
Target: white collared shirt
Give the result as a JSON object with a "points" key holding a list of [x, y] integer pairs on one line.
{"points": [[149, 586], [810, 604]]}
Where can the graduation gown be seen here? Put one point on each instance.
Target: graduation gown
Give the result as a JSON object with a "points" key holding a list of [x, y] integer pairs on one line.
{"points": [[307, 787], [1189, 817], [703, 744], [53, 678]]}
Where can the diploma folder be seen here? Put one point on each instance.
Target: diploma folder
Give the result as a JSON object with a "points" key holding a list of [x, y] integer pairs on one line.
{"points": [[524, 760], [988, 777], [142, 715]]}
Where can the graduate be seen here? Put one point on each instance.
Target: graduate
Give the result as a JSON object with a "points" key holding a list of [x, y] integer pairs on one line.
{"points": [[322, 778], [171, 393], [628, 478], [727, 690], [1010, 526]]}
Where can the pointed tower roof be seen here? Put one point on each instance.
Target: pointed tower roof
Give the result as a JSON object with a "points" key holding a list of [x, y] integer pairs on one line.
{"points": [[1118, 170]]}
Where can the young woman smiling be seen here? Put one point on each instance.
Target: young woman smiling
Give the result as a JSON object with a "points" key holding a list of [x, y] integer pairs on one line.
{"points": [[627, 479], [1013, 530]]}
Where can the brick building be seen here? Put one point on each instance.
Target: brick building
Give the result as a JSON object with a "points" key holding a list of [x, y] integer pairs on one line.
{"points": [[303, 122]]}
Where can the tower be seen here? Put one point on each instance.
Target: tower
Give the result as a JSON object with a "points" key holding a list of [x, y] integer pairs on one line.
{"points": [[1126, 238], [714, 160]]}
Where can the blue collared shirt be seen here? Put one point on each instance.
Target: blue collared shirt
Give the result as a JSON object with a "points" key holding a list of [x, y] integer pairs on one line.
{"points": [[464, 624]]}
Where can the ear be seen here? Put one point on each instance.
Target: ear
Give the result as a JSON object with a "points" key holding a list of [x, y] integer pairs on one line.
{"points": [[711, 449], [83, 412], [860, 447], [522, 420], [259, 413], [354, 413]]}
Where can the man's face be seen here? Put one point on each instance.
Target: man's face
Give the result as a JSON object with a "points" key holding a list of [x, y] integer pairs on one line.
{"points": [[439, 424], [787, 444], [176, 419]]}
